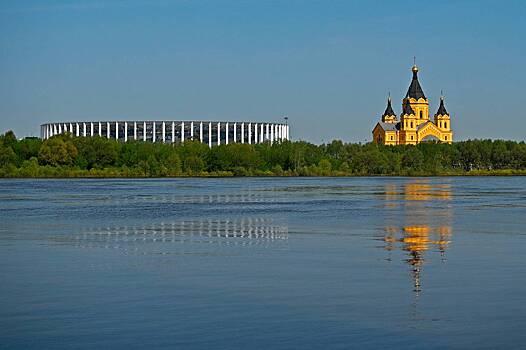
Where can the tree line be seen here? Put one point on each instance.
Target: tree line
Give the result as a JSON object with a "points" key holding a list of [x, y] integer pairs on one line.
{"points": [[68, 156]]}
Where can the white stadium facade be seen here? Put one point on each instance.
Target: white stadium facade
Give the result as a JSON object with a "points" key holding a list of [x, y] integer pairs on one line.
{"points": [[208, 132]]}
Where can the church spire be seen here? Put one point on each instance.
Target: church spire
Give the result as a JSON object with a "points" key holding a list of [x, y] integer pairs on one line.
{"points": [[389, 109], [407, 109], [415, 90], [442, 109]]}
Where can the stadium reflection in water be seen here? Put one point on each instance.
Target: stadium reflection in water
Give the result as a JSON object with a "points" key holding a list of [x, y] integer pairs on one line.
{"points": [[154, 237], [418, 222]]}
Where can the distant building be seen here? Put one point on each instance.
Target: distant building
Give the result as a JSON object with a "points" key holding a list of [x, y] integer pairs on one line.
{"points": [[414, 125], [209, 132]]}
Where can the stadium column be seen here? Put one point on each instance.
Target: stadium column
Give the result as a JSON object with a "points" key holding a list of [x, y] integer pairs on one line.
{"points": [[153, 131], [84, 129], [173, 132], [261, 134], [267, 132], [125, 131], [256, 133], [163, 132], [59, 128], [71, 128], [226, 133], [271, 133], [201, 132], [182, 131], [210, 134], [191, 130], [242, 132], [108, 130], [134, 131], [144, 131], [218, 133], [235, 131], [91, 129], [116, 130], [249, 133]]}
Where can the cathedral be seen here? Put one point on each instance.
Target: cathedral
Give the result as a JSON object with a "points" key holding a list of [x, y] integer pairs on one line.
{"points": [[415, 125]]}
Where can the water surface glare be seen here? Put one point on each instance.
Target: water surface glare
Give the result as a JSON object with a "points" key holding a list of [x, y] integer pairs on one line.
{"points": [[271, 263]]}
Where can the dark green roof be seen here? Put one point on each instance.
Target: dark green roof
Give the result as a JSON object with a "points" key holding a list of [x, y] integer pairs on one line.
{"points": [[415, 90], [406, 109], [442, 109], [389, 109]]}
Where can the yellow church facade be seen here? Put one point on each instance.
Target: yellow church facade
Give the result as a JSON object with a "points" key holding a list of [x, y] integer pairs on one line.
{"points": [[414, 125]]}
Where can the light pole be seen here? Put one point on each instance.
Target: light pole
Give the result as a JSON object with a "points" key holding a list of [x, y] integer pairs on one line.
{"points": [[286, 127]]}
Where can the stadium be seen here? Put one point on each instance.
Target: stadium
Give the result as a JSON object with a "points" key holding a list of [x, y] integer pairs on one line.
{"points": [[210, 132]]}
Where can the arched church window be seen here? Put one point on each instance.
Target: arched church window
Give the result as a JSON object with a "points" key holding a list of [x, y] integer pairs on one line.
{"points": [[445, 137], [445, 124], [411, 137], [421, 114], [411, 124]]}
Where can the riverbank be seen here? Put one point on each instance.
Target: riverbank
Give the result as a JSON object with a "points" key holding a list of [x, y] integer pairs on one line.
{"points": [[44, 172]]}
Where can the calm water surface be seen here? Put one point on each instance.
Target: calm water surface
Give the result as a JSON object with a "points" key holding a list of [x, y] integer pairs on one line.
{"points": [[305, 263]]}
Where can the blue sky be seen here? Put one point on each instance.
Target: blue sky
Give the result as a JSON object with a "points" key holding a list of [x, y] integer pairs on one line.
{"points": [[328, 65]]}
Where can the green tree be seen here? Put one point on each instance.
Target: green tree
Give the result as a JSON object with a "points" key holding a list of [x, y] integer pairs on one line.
{"points": [[96, 152], [58, 150], [7, 156]]}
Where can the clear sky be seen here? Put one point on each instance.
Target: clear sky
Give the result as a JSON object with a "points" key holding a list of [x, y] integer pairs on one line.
{"points": [[328, 65]]}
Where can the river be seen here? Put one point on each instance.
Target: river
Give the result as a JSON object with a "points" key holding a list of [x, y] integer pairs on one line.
{"points": [[269, 263]]}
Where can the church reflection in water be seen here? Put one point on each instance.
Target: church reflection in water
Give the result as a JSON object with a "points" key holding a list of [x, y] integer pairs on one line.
{"points": [[418, 218]]}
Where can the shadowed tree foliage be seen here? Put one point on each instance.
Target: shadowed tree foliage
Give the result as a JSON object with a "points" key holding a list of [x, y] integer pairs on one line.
{"points": [[68, 156]]}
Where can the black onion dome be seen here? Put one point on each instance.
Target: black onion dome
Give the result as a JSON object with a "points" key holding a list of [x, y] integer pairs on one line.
{"points": [[442, 109], [389, 109], [415, 90]]}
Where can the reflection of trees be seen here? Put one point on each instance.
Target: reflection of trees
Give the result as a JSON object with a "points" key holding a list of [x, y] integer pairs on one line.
{"points": [[419, 217]]}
